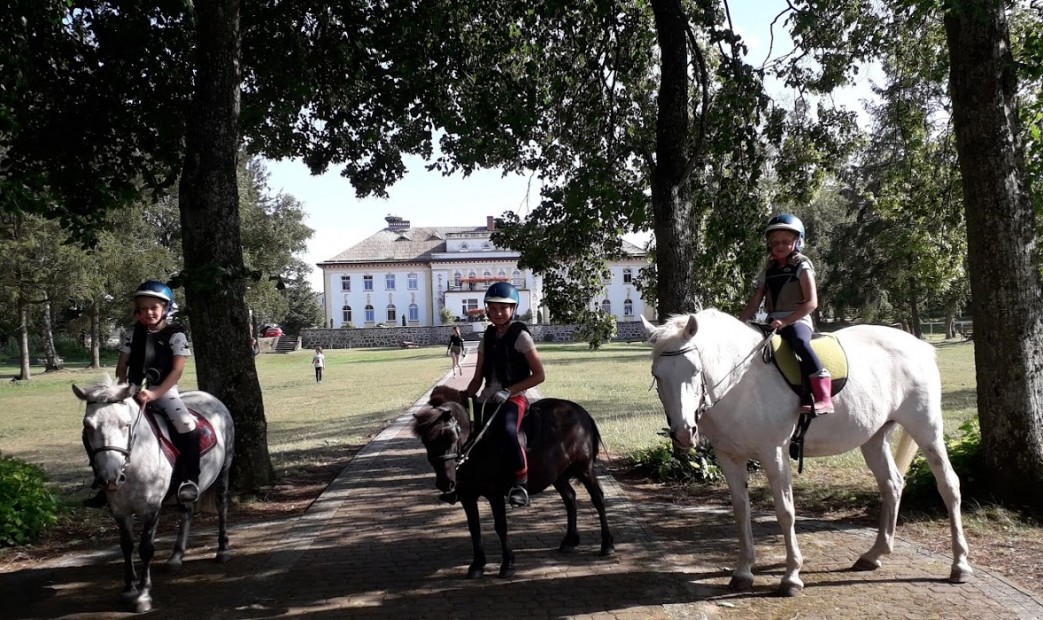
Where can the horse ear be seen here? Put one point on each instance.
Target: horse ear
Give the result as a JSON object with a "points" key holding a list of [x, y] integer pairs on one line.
{"points": [[650, 329], [691, 327], [78, 392]]}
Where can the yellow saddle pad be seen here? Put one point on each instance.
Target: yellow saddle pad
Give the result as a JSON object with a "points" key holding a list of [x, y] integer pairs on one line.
{"points": [[829, 352]]}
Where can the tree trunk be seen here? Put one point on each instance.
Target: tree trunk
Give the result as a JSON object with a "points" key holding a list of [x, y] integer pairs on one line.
{"points": [[214, 270], [1001, 240], [914, 318], [49, 351], [25, 373], [671, 206], [95, 335]]}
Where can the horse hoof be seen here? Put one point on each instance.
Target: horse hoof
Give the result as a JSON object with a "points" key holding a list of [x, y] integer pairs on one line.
{"points": [[143, 603], [566, 548], [960, 575], [223, 556], [607, 550], [475, 572], [863, 565], [789, 590], [174, 564], [506, 572], [740, 584]]}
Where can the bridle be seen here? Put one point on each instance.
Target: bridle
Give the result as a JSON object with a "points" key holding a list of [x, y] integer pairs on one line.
{"points": [[126, 452], [451, 426], [706, 402]]}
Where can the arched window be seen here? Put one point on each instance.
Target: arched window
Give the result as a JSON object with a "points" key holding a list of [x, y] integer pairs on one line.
{"points": [[471, 276], [517, 279], [414, 313], [464, 247], [606, 307], [392, 316], [628, 307], [347, 314], [457, 277], [369, 314]]}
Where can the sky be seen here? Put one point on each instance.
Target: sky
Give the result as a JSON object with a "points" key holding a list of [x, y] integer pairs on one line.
{"points": [[340, 220]]}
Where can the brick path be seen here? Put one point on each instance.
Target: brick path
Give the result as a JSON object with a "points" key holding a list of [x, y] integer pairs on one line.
{"points": [[377, 544]]}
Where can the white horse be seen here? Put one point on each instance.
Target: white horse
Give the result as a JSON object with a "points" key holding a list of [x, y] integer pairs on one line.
{"points": [[130, 465], [711, 379]]}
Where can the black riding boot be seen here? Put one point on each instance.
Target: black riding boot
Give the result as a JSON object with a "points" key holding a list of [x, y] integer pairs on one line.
{"points": [[186, 474], [519, 493]]}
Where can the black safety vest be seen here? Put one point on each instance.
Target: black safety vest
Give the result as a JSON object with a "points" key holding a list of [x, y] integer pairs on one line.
{"points": [[151, 358], [782, 285], [501, 360]]}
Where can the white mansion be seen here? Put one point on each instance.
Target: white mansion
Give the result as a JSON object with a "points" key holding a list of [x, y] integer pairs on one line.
{"points": [[405, 276]]}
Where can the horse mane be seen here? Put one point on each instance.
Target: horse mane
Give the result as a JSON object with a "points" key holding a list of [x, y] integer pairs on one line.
{"points": [[670, 332], [442, 394], [426, 422], [108, 391]]}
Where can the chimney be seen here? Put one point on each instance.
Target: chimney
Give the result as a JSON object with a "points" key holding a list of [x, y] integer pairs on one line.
{"points": [[396, 223], [490, 223]]}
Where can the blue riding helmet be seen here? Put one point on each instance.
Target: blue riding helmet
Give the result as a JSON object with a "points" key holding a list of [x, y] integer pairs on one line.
{"points": [[159, 290], [787, 221], [502, 293]]}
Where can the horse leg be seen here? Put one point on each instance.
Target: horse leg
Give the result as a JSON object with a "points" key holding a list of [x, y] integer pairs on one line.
{"points": [[949, 488], [780, 479], [130, 577], [889, 480], [736, 475], [146, 550], [597, 497], [184, 529], [474, 526], [221, 488], [568, 497], [499, 506]]}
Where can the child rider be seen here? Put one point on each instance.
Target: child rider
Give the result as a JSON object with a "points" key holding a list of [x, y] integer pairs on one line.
{"points": [[510, 367]]}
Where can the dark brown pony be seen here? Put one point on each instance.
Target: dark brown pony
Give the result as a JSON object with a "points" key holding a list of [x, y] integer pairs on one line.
{"points": [[561, 444]]}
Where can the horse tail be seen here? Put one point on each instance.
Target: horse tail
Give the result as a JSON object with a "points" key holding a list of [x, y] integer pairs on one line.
{"points": [[905, 452]]}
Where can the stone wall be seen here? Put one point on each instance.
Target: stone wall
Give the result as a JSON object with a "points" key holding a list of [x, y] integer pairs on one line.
{"points": [[364, 337]]}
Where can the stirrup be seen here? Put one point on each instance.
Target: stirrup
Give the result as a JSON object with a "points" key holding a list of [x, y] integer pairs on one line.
{"points": [[518, 496], [188, 492]]}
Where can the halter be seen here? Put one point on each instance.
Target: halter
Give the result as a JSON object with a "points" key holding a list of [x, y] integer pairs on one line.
{"points": [[126, 452], [453, 426], [705, 402]]}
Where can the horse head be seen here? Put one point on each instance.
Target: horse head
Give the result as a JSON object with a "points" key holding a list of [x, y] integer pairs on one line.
{"points": [[443, 430], [108, 430], [677, 369]]}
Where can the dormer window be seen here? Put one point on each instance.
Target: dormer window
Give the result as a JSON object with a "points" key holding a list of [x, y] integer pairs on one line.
{"points": [[464, 247]]}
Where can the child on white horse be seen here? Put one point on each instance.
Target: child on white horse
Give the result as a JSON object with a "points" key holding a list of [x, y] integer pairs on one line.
{"points": [[786, 285], [154, 355], [510, 366]]}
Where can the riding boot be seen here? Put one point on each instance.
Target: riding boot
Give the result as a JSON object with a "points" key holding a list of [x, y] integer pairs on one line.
{"points": [[821, 385], [187, 474], [519, 493]]}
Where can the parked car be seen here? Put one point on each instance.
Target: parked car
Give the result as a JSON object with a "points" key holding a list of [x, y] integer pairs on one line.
{"points": [[271, 331]]}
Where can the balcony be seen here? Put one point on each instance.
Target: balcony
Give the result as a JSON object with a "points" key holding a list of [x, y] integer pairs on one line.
{"points": [[482, 283]]}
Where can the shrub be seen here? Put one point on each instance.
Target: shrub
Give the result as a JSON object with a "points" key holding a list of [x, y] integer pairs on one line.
{"points": [[27, 506], [964, 455], [660, 463], [447, 316]]}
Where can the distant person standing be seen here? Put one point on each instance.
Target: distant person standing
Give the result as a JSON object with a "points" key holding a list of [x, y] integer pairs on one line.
{"points": [[456, 349], [319, 362]]}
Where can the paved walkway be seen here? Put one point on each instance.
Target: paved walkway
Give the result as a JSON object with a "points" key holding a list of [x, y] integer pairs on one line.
{"points": [[377, 544]]}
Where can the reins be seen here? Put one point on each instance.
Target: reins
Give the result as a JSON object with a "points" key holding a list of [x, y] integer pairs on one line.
{"points": [[485, 426]]}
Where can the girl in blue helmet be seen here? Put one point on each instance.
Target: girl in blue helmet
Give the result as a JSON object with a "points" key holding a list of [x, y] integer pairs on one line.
{"points": [[153, 357], [509, 366], [786, 285]]}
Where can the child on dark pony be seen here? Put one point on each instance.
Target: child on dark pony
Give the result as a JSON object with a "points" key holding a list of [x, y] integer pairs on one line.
{"points": [[154, 355], [509, 366], [786, 285]]}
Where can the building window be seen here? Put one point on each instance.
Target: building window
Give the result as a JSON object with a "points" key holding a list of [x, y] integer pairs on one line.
{"points": [[347, 314], [628, 307], [411, 281], [392, 316], [389, 282], [468, 305], [369, 314], [457, 278], [367, 283], [487, 246], [517, 279], [345, 283], [414, 313], [628, 275], [471, 277], [487, 275], [606, 307], [464, 247]]}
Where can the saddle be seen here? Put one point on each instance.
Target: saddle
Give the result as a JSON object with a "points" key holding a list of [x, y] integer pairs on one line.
{"points": [[829, 352], [164, 430]]}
